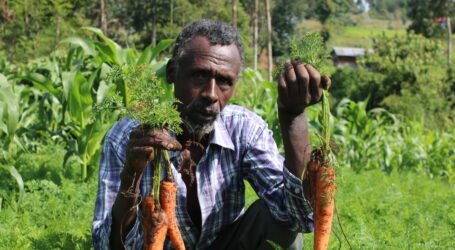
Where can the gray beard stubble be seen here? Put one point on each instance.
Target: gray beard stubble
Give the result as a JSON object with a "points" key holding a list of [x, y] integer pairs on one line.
{"points": [[196, 130]]}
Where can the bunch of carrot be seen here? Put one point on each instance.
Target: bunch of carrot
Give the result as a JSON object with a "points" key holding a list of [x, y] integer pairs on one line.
{"points": [[159, 218], [153, 109], [321, 176], [320, 168], [323, 179]]}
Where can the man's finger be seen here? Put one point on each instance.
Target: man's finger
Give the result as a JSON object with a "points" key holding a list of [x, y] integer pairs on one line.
{"points": [[315, 83], [153, 138], [303, 78], [291, 79], [141, 131], [282, 88], [326, 82], [162, 141], [144, 152], [165, 141]]}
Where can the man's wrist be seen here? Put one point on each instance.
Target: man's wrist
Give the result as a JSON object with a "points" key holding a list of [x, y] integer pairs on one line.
{"points": [[289, 112], [129, 180]]}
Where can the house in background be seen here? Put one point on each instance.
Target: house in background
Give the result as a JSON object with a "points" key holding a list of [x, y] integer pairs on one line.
{"points": [[345, 56]]}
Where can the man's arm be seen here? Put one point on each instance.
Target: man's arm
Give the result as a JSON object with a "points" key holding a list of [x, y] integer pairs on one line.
{"points": [[300, 86], [124, 209], [297, 146], [140, 151], [280, 189]]}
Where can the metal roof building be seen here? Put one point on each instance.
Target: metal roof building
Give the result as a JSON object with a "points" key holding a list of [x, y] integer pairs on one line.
{"points": [[346, 56]]}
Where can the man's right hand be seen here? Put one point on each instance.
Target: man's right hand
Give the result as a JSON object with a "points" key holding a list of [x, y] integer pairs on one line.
{"points": [[141, 147], [139, 152]]}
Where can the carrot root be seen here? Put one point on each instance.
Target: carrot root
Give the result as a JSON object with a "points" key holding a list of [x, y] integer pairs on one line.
{"points": [[155, 225], [168, 196], [324, 207], [323, 186]]}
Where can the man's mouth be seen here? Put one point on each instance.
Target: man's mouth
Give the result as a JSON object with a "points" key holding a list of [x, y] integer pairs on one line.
{"points": [[199, 113], [205, 115]]}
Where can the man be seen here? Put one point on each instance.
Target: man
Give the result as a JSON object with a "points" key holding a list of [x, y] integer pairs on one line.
{"points": [[227, 144]]}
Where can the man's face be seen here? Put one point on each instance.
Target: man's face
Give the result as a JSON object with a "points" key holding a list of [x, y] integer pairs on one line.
{"points": [[204, 80]]}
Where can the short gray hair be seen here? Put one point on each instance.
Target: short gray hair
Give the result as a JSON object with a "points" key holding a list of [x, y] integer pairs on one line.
{"points": [[217, 32]]}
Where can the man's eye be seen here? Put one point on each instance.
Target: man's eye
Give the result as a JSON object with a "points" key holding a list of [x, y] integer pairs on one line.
{"points": [[200, 76], [223, 81]]}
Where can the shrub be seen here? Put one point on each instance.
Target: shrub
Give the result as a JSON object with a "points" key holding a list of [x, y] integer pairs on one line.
{"points": [[405, 74], [49, 216]]}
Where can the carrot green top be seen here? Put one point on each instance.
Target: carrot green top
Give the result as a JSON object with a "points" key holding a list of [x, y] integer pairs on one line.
{"points": [[145, 98], [311, 50]]}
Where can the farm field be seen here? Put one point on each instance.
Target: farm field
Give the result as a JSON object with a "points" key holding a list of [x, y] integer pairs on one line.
{"points": [[397, 211], [400, 211], [359, 35], [377, 211]]}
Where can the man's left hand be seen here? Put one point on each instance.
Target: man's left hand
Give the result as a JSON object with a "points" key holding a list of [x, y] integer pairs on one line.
{"points": [[299, 86]]}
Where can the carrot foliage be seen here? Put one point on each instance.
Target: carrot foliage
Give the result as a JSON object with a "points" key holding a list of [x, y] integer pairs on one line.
{"points": [[145, 98], [147, 102], [311, 50]]}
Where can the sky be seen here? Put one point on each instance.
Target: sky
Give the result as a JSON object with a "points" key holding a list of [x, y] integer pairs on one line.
{"points": [[365, 4]]}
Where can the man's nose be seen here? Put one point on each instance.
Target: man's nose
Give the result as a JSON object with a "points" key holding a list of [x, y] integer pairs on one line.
{"points": [[210, 92]]}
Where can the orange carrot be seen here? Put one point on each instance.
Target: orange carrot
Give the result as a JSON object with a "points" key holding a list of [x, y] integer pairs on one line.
{"points": [[322, 179], [155, 225], [168, 196]]}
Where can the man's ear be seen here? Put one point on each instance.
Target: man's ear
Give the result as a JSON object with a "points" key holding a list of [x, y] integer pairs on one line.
{"points": [[171, 70]]}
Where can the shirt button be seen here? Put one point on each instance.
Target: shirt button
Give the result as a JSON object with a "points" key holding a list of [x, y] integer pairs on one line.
{"points": [[297, 190], [288, 185]]}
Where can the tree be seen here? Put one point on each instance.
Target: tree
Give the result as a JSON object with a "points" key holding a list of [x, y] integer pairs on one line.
{"points": [[385, 7], [284, 22], [5, 13], [407, 75], [325, 9], [144, 19], [37, 26], [257, 27], [269, 39], [255, 33], [424, 14], [103, 16], [234, 14]]}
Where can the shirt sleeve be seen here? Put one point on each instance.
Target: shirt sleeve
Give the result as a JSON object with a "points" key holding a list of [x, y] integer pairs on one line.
{"points": [[279, 188], [108, 185]]}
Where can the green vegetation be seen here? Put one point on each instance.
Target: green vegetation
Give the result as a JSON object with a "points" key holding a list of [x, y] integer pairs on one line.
{"points": [[54, 211], [402, 70], [354, 36], [152, 108], [50, 216], [400, 211]]}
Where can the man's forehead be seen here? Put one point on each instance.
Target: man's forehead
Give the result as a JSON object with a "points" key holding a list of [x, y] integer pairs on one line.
{"points": [[200, 46]]}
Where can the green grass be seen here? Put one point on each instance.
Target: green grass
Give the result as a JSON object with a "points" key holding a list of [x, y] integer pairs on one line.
{"points": [[377, 211], [357, 36], [400, 211]]}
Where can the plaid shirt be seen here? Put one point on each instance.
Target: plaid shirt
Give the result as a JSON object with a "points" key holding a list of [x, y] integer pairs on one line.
{"points": [[241, 147]]}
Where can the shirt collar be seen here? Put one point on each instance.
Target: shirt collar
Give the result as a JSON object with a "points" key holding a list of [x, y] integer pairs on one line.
{"points": [[220, 135]]}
